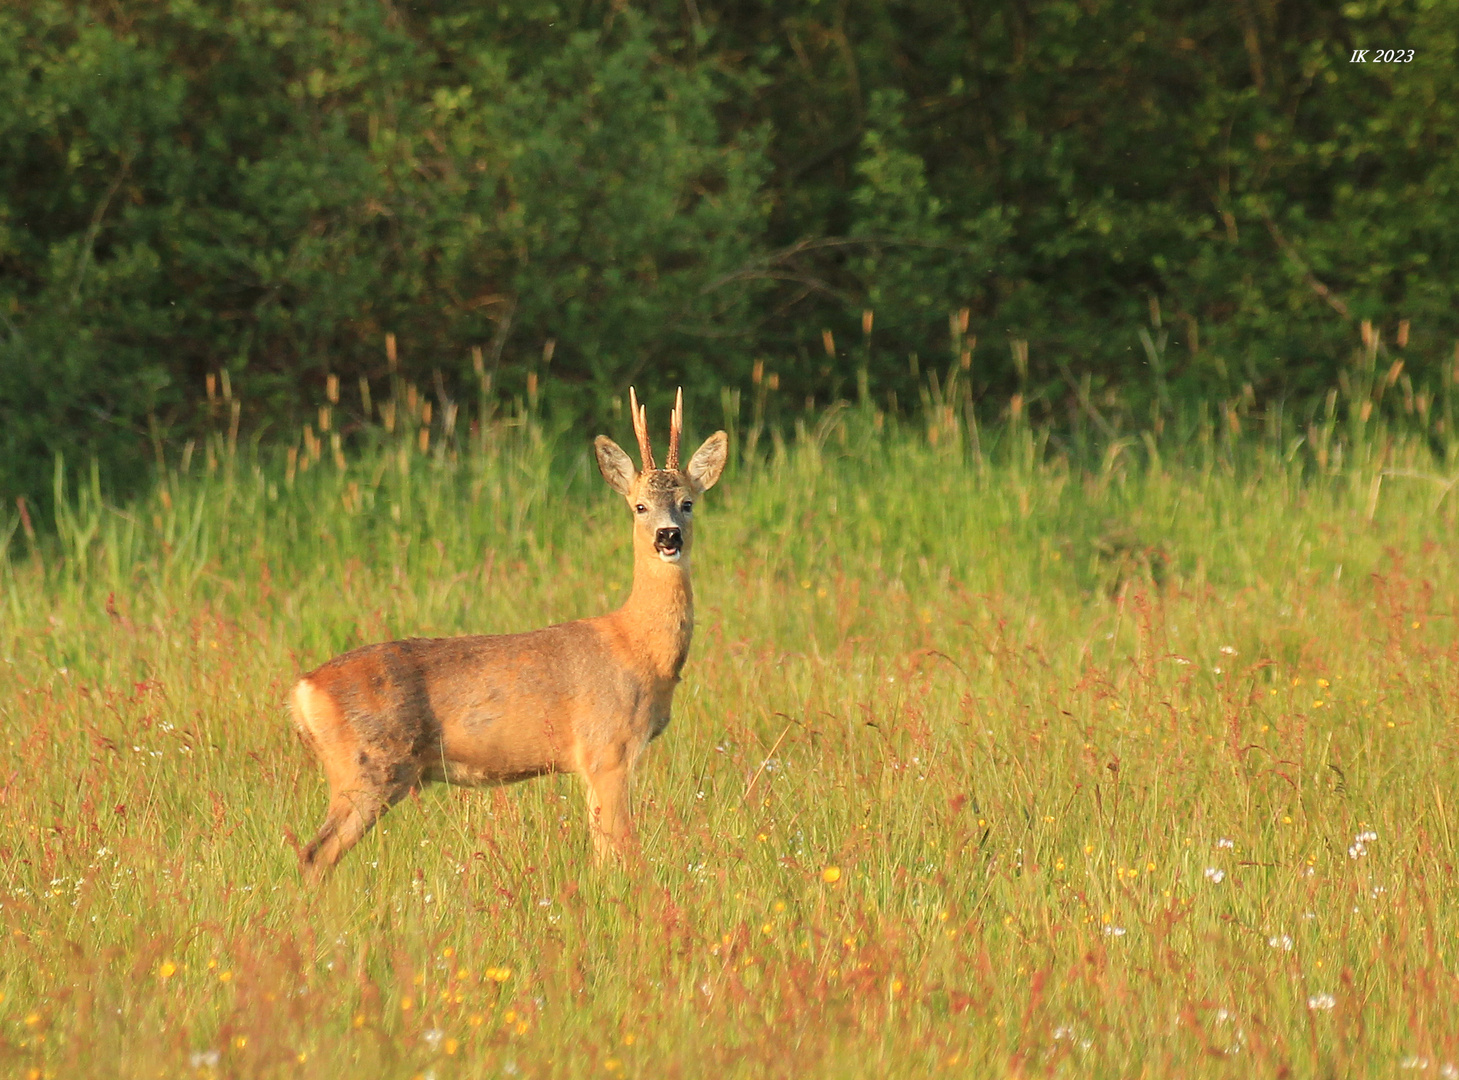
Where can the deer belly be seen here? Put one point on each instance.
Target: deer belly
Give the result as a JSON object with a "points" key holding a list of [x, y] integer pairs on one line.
{"points": [[466, 774], [498, 751]]}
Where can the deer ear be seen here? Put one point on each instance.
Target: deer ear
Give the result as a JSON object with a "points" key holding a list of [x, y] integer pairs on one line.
{"points": [[616, 466], [708, 461]]}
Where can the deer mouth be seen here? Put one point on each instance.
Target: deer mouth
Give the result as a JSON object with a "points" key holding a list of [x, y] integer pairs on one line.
{"points": [[667, 553]]}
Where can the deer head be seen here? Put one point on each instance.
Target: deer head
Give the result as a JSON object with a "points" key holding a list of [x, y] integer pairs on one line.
{"points": [[662, 500]]}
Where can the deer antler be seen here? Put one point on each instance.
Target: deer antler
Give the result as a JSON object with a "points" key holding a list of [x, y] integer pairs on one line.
{"points": [[640, 428], [676, 427]]}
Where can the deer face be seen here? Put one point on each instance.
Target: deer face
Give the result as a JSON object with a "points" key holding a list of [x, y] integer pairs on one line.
{"points": [[663, 513], [662, 500]]}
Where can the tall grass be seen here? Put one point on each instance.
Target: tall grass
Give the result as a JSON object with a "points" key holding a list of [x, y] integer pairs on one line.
{"points": [[993, 756]]}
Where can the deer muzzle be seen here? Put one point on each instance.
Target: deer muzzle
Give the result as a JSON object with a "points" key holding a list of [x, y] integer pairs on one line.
{"points": [[669, 543]]}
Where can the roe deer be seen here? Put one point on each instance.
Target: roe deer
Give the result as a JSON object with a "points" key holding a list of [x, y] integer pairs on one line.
{"points": [[584, 697]]}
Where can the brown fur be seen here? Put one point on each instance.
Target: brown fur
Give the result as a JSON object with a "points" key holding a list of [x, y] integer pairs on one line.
{"points": [[585, 697]]}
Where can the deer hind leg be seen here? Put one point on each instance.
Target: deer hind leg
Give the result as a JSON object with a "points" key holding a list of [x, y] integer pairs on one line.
{"points": [[362, 784], [350, 815], [353, 809]]}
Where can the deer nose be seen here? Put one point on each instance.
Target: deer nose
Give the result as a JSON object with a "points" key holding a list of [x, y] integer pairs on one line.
{"points": [[670, 539]]}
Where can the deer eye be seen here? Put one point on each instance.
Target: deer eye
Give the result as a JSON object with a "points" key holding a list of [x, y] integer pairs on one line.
{"points": [[688, 506], [640, 509]]}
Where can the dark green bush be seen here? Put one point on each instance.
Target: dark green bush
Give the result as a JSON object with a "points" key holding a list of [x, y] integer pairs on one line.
{"points": [[1225, 160], [270, 187], [666, 193]]}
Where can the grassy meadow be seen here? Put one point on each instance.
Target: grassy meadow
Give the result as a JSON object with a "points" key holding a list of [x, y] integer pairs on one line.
{"points": [[995, 755]]}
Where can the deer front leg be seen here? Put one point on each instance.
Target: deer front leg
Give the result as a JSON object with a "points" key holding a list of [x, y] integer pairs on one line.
{"points": [[610, 815]]}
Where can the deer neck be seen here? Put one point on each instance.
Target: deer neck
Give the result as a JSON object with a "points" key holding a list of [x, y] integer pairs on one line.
{"points": [[659, 614]]}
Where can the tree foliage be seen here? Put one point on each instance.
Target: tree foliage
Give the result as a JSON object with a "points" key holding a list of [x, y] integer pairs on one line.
{"points": [[668, 192]]}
